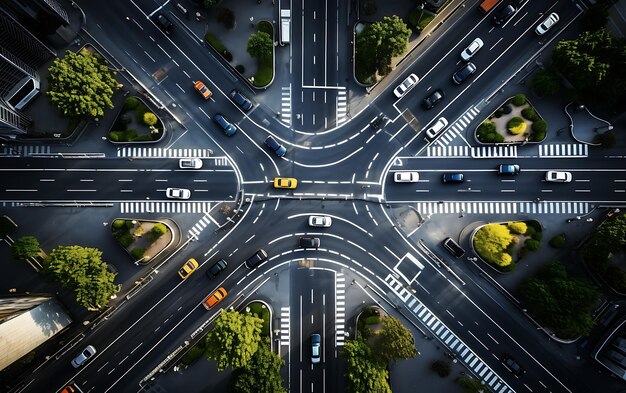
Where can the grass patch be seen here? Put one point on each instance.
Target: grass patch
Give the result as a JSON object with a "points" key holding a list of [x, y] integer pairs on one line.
{"points": [[258, 309], [215, 42]]}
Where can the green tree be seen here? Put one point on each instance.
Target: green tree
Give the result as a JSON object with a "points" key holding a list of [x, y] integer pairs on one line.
{"points": [[518, 227], [262, 374], [234, 339], [394, 340], [25, 247], [595, 63], [471, 385], [80, 84], [365, 371], [260, 45], [560, 302], [82, 270], [379, 42], [546, 83]]}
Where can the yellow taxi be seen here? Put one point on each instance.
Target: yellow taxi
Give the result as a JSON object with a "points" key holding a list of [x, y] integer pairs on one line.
{"points": [[202, 89], [189, 267], [285, 182]]}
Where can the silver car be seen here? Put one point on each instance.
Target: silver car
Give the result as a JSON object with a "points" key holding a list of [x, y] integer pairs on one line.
{"points": [[406, 177], [471, 49], [406, 85], [85, 355], [178, 193], [558, 177], [320, 221], [547, 24], [190, 163]]}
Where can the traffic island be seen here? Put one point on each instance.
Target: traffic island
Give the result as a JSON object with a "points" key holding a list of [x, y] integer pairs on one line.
{"points": [[136, 123], [143, 240], [515, 121]]}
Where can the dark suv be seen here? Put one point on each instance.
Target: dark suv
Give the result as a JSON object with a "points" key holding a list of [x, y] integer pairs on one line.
{"points": [[240, 100], [505, 14], [433, 99], [513, 366], [255, 260], [165, 24], [216, 268]]}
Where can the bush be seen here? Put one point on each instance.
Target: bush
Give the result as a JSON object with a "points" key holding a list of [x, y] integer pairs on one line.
{"points": [[516, 125], [532, 244], [266, 27], [517, 227], [441, 367], [228, 56], [506, 108], [518, 100], [125, 239], [117, 224], [129, 224], [131, 103], [558, 241], [537, 235], [540, 126], [149, 119], [116, 136], [264, 73], [215, 43], [530, 230], [137, 253], [142, 138], [530, 114], [158, 230], [486, 132], [139, 112], [240, 68], [372, 320], [498, 113]]}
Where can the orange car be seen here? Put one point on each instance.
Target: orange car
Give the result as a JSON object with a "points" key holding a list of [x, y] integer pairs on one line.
{"points": [[202, 89], [213, 299]]}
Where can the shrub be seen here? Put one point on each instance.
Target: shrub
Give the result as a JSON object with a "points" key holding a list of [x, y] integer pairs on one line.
{"points": [[117, 224], [498, 113], [532, 244], [240, 68], [558, 241], [372, 320], [266, 27], [506, 108], [426, 19], [537, 235], [215, 42], [139, 112], [516, 125], [494, 138], [149, 119], [540, 126], [137, 253], [530, 114], [129, 224], [228, 56], [125, 239], [131, 103], [530, 230], [486, 132], [517, 227], [441, 367], [116, 136], [518, 100], [158, 230], [141, 138]]}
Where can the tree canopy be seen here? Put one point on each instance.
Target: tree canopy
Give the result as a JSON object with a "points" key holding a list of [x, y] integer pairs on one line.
{"points": [[82, 270], [234, 339], [366, 372], [25, 247], [560, 302], [260, 45], [491, 242], [80, 84], [595, 63], [262, 374], [606, 241], [395, 341]]}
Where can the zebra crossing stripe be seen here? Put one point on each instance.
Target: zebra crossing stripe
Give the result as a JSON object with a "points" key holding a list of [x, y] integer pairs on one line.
{"points": [[564, 150], [163, 153], [544, 207], [284, 326], [341, 106], [285, 105], [165, 207]]}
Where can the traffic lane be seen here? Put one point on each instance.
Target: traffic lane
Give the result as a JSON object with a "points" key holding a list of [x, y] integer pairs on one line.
{"points": [[314, 42]]}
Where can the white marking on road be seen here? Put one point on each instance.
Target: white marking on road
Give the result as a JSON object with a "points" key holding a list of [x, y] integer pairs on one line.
{"points": [[476, 338]]}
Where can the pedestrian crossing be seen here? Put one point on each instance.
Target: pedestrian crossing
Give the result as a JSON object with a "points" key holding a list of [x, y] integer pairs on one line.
{"points": [[284, 326], [564, 150], [340, 309], [543, 207], [342, 106], [202, 224], [508, 151], [165, 207], [163, 153], [285, 105], [457, 128], [456, 346], [24, 150], [448, 151]]}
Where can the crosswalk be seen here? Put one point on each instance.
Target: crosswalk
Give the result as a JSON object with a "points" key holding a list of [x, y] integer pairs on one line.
{"points": [[340, 309], [342, 106], [448, 151], [564, 150], [284, 326], [494, 151], [24, 150], [285, 105], [543, 207], [455, 345], [457, 128], [202, 224], [165, 207], [163, 153]]}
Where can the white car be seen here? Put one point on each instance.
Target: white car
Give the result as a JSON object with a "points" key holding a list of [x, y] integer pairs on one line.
{"points": [[85, 355], [320, 221], [190, 163], [406, 85], [471, 49], [178, 193], [547, 24], [558, 177], [406, 177], [436, 128]]}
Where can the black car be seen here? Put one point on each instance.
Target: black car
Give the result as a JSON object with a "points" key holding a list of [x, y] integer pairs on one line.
{"points": [[216, 268], [309, 242], [255, 260], [433, 99], [505, 14], [508, 169], [165, 24], [513, 366], [240, 100], [463, 73], [452, 178]]}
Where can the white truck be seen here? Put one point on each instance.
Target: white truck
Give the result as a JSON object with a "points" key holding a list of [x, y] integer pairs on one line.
{"points": [[285, 28]]}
